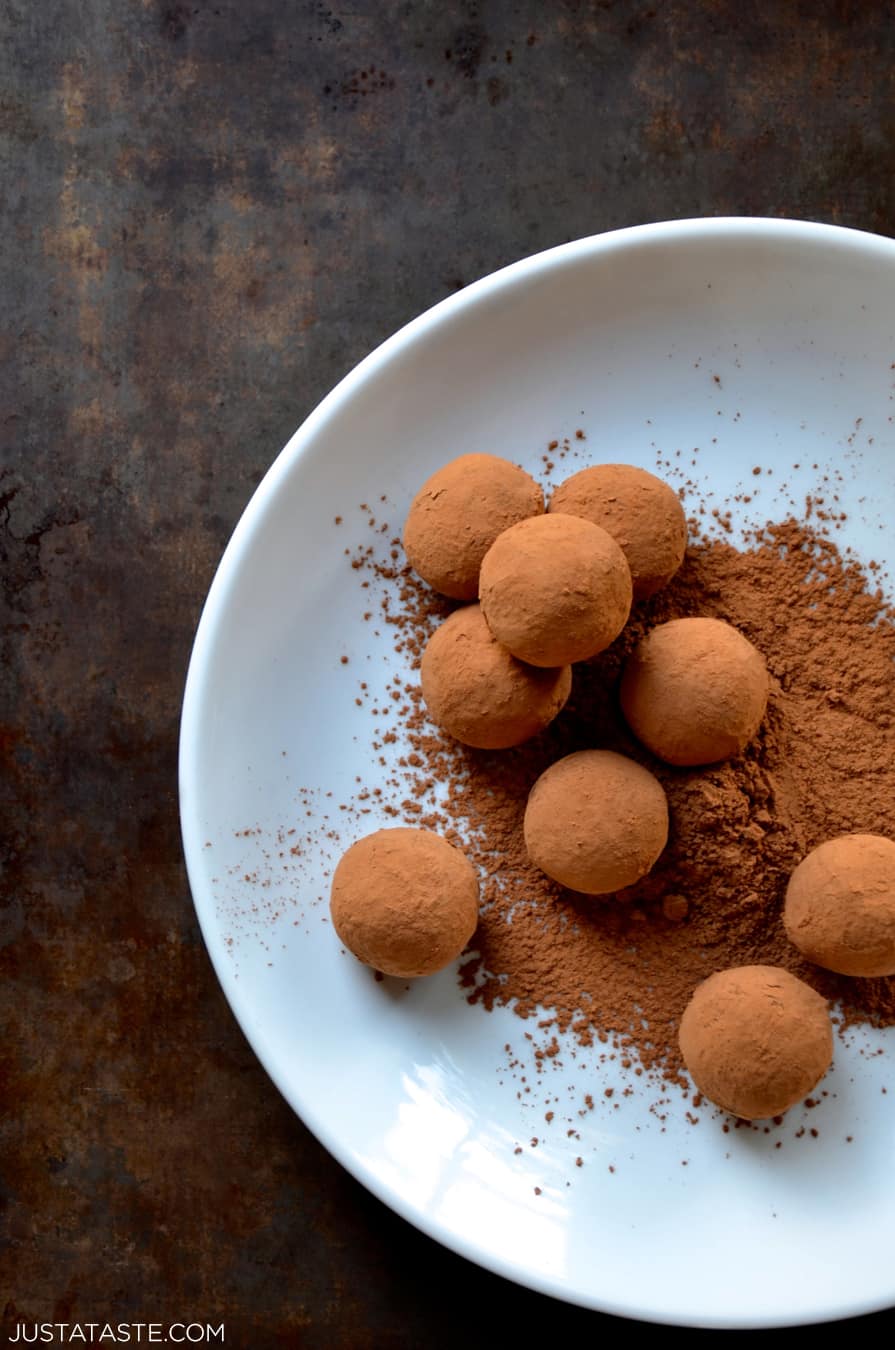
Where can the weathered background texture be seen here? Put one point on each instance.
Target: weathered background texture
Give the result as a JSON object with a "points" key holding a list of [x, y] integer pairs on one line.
{"points": [[211, 212]]}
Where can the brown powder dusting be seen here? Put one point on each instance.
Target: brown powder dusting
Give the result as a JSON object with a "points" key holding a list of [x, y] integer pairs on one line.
{"points": [[622, 969]]}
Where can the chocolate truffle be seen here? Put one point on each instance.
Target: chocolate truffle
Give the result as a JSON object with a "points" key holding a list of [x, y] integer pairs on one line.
{"points": [[475, 690], [404, 901], [596, 822], [643, 514], [694, 691], [555, 589], [756, 1040], [459, 512], [840, 905]]}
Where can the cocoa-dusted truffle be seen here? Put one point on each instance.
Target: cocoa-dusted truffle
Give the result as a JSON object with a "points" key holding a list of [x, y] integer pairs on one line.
{"points": [[643, 514], [459, 512], [596, 822], [475, 690], [405, 901], [756, 1040], [555, 589], [840, 905], [694, 691]]}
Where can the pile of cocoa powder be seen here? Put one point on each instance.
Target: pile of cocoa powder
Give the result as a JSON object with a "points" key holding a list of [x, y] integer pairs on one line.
{"points": [[624, 967]]}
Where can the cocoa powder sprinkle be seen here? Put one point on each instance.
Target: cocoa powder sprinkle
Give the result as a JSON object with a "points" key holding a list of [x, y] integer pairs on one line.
{"points": [[621, 969]]}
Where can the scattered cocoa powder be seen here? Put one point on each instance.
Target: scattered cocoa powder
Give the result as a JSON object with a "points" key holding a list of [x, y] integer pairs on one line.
{"points": [[622, 969]]}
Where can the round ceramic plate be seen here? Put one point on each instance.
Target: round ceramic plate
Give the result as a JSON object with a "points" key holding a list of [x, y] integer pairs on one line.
{"points": [[758, 341]]}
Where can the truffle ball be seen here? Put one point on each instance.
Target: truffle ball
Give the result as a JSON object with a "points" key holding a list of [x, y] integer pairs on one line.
{"points": [[840, 905], [694, 691], [643, 514], [405, 901], [555, 589], [475, 690], [596, 822], [459, 512], [756, 1040]]}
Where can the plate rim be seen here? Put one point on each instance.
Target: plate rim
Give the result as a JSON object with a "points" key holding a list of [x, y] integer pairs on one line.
{"points": [[689, 229]]}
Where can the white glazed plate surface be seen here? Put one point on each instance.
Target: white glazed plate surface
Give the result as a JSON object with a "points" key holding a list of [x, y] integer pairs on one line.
{"points": [[621, 335]]}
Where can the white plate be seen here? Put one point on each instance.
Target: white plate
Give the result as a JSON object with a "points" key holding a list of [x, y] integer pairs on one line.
{"points": [[621, 335]]}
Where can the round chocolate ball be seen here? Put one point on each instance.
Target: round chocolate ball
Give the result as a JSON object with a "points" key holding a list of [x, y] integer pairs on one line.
{"points": [[459, 512], [555, 589], [694, 691], [596, 822], [756, 1040], [840, 905], [405, 901], [480, 694], [643, 514]]}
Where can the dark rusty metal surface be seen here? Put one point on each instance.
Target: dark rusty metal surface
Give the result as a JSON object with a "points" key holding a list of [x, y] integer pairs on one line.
{"points": [[211, 211]]}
